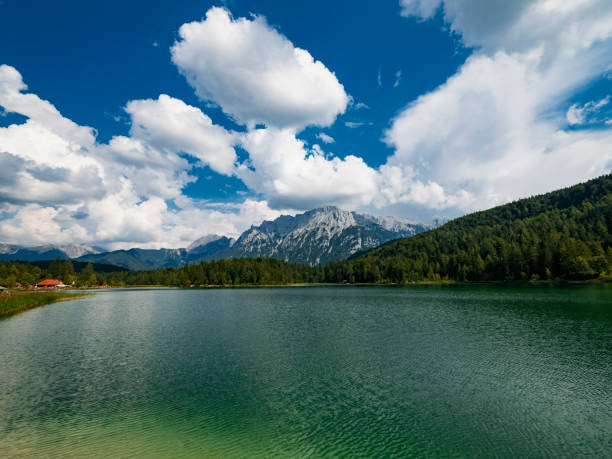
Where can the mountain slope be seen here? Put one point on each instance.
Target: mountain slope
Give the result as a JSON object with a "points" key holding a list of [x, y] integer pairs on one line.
{"points": [[564, 234], [44, 252], [144, 259], [319, 236], [139, 259], [208, 246]]}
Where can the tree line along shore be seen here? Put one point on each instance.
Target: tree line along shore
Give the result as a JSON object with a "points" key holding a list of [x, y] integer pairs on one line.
{"points": [[563, 235]]}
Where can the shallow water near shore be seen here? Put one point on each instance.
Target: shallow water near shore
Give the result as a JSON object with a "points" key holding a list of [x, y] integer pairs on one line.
{"points": [[450, 370]]}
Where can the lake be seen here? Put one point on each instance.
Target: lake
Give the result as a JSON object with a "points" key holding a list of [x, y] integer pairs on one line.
{"points": [[454, 370]]}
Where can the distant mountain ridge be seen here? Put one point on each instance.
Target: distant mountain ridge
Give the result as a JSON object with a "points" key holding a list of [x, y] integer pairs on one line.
{"points": [[44, 252], [144, 259], [313, 237]]}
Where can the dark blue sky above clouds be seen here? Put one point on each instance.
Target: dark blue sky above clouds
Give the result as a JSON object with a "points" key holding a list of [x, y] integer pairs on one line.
{"points": [[452, 106]]}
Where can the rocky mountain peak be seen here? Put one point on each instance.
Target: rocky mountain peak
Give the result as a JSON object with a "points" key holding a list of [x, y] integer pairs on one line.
{"points": [[203, 241], [320, 235]]}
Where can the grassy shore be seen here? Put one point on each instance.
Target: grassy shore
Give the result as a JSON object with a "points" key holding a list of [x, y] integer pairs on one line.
{"points": [[14, 302]]}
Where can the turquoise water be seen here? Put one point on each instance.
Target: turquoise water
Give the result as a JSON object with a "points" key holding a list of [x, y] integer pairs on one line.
{"points": [[314, 371]]}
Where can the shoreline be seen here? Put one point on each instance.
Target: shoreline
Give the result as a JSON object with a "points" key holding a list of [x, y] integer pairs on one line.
{"points": [[599, 281], [37, 302]]}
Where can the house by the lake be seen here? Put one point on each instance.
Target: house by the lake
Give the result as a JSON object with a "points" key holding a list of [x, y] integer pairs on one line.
{"points": [[50, 283]]}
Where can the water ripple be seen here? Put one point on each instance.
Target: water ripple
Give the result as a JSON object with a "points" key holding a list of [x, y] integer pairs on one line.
{"points": [[311, 372]]}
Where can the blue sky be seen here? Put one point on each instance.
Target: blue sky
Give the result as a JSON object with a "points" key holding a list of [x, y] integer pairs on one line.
{"points": [[416, 108], [81, 57]]}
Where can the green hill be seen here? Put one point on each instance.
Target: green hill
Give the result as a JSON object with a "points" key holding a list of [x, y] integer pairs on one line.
{"points": [[564, 234]]}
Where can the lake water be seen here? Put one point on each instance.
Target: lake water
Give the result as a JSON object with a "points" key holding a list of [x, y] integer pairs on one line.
{"points": [[313, 371]]}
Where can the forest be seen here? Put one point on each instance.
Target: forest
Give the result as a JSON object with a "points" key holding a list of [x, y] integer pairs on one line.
{"points": [[70, 272], [561, 235], [241, 271]]}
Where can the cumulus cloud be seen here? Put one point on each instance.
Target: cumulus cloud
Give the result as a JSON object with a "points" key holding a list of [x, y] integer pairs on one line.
{"points": [[290, 176], [14, 99], [399, 185], [120, 222], [129, 191], [255, 74], [124, 198], [170, 125], [45, 142], [24, 181], [59, 185], [495, 129]]}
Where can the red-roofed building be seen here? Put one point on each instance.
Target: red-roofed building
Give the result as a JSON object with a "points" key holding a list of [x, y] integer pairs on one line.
{"points": [[50, 283]]}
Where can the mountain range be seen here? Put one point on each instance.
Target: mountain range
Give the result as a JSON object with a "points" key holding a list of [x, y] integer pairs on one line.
{"points": [[45, 252], [320, 235], [144, 259], [314, 237]]}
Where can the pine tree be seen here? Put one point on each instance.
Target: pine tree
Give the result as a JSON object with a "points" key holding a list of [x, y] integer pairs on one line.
{"points": [[67, 272], [88, 276], [55, 268]]}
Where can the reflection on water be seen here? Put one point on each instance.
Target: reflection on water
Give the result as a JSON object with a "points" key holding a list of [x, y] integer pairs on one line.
{"points": [[453, 370]]}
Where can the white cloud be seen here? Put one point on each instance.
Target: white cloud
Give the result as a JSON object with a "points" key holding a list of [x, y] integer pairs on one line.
{"points": [[357, 124], [120, 222], [25, 181], [398, 184], [59, 185], [40, 112], [35, 224], [290, 176], [495, 129], [170, 125], [255, 74], [561, 26], [325, 138], [575, 115], [360, 106], [580, 114], [48, 156]]}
